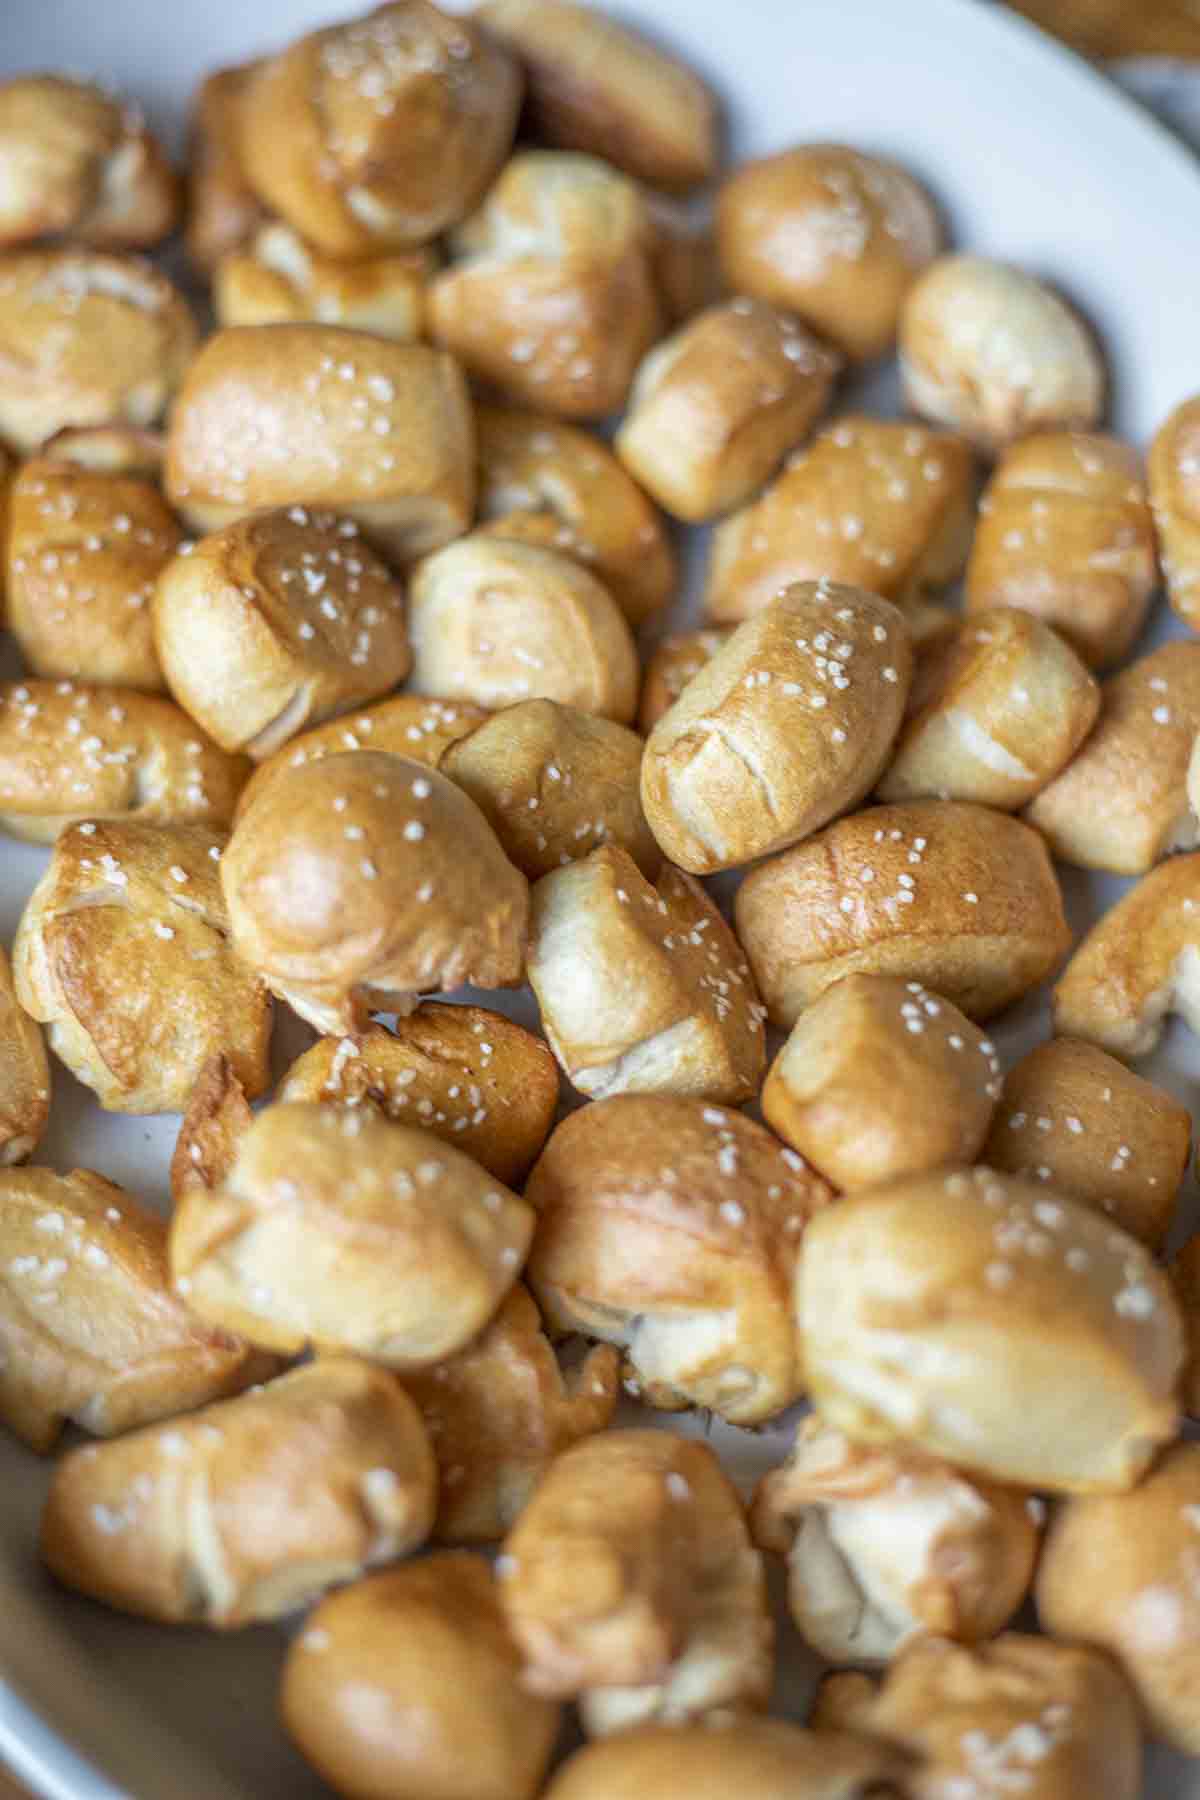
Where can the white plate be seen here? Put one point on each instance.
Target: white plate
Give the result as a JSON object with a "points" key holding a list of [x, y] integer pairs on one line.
{"points": [[1034, 157]]}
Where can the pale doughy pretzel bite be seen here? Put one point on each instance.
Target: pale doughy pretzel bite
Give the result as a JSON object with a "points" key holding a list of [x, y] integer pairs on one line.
{"points": [[671, 1228], [1065, 532], [1137, 964], [1019, 1715], [1079, 1119], [79, 162], [86, 338], [496, 622], [89, 1328], [715, 406], [881, 1078], [882, 1545], [250, 1508], [71, 752], [757, 1759], [466, 1075], [85, 548], [110, 449], [24, 1075], [549, 296], [961, 898], [643, 989], [630, 1580], [449, 1716], [123, 953], [789, 725], [499, 1413], [337, 1229], [278, 279], [831, 234], [994, 1322], [1118, 1572], [362, 879], [593, 84], [996, 712], [1122, 803], [883, 504], [382, 130], [314, 415], [553, 484], [411, 725], [555, 784], [989, 350], [223, 211], [1173, 466], [276, 622], [669, 668]]}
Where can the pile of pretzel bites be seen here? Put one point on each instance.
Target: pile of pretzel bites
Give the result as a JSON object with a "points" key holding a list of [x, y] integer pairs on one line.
{"points": [[346, 689]]}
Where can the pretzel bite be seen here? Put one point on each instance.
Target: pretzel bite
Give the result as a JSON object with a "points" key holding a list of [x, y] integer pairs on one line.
{"points": [[882, 1545], [593, 84], [500, 1412], [549, 296], [464, 1074], [86, 339], [1184, 1274], [670, 1228], [1065, 532], [315, 415], [223, 211], [409, 1684], [831, 234], [643, 989], [630, 1580], [552, 484], [24, 1075], [218, 1117], [1137, 964], [72, 752], [991, 351], [84, 551], [250, 1508], [123, 953], [994, 1322], [1122, 803], [110, 449], [1077, 1118], [958, 897], [89, 1328], [881, 1078], [380, 131], [276, 622], [555, 784], [715, 406], [362, 879], [497, 622], [1020, 1715], [409, 725], [278, 279], [1118, 1572], [879, 503], [1175, 498], [789, 725], [80, 163], [996, 712], [670, 666], [756, 1759], [391, 1244], [683, 260]]}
